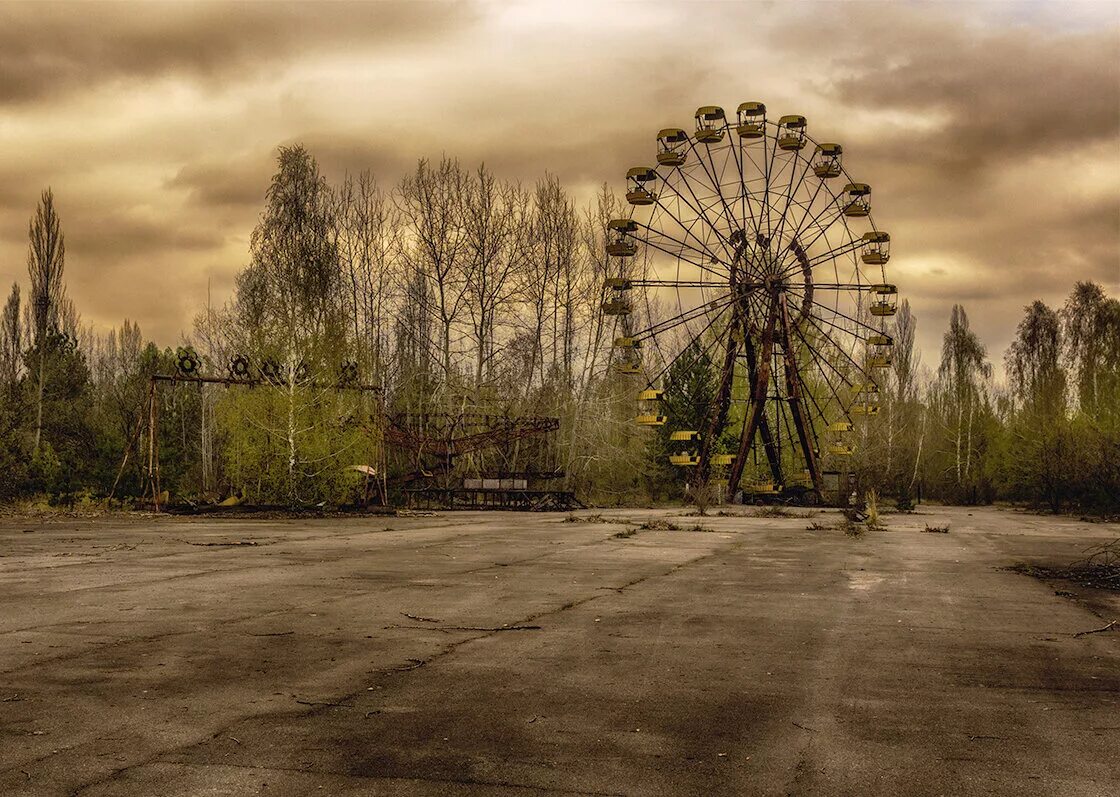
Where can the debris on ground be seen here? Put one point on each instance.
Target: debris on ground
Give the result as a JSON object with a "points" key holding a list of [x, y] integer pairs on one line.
{"points": [[936, 529], [1103, 628], [781, 511], [403, 512], [596, 518], [1097, 576]]}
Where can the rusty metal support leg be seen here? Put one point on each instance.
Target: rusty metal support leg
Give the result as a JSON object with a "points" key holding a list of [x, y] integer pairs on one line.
{"points": [[758, 401], [793, 380]]}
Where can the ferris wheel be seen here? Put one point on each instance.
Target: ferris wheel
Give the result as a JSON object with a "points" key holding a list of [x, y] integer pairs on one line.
{"points": [[749, 246]]}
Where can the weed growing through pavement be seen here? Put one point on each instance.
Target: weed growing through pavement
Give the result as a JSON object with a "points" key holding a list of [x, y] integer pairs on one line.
{"points": [[781, 511]]}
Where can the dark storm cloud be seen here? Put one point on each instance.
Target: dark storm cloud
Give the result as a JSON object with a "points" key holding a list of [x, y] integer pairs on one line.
{"points": [[47, 49], [228, 184], [990, 132]]}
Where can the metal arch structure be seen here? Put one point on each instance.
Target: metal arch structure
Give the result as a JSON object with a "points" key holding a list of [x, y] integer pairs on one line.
{"points": [[765, 251]]}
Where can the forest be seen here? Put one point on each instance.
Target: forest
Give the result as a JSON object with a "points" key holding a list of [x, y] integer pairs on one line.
{"points": [[453, 291]]}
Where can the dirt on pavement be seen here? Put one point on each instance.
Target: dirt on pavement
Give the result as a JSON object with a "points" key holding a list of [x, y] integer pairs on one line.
{"points": [[519, 654]]}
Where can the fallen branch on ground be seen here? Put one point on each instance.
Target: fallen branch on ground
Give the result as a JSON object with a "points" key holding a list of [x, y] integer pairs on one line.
{"points": [[422, 619], [468, 627], [322, 703], [1097, 630], [220, 544]]}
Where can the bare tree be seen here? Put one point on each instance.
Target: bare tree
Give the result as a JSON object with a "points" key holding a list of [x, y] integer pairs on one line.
{"points": [[431, 201], [369, 243], [497, 228]]}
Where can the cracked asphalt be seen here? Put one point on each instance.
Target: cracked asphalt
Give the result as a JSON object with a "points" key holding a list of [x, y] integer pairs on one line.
{"points": [[520, 654]]}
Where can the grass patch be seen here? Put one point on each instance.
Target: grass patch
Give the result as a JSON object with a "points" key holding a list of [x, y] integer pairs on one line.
{"points": [[624, 534], [781, 511], [816, 525], [936, 529], [667, 525], [659, 525], [596, 518], [872, 508]]}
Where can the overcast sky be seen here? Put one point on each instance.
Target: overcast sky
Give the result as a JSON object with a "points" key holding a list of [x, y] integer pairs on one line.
{"points": [[991, 133]]}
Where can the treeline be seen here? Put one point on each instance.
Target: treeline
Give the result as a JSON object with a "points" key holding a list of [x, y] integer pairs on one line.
{"points": [[1049, 437], [456, 292]]}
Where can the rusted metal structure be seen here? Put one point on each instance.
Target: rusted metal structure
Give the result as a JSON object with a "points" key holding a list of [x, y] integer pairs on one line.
{"points": [[476, 461], [241, 373], [750, 231]]}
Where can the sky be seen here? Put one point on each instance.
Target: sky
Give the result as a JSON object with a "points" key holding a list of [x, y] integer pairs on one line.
{"points": [[990, 132]]}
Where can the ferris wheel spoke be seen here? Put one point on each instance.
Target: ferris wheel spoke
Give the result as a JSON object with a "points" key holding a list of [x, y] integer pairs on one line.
{"points": [[873, 329], [848, 247], [717, 184], [859, 368], [821, 361], [821, 229], [813, 404], [807, 208], [682, 283], [745, 208], [768, 163], [679, 257], [836, 286], [700, 217], [791, 189], [702, 247], [669, 362], [684, 318]]}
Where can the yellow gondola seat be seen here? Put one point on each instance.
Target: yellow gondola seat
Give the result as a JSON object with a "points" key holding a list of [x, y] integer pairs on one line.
{"points": [[840, 449], [752, 120], [880, 340], [651, 394], [840, 426], [628, 367], [761, 487], [639, 193], [671, 146], [880, 360], [617, 283], [791, 132], [723, 459], [858, 202], [616, 307], [626, 342], [710, 123], [651, 420], [684, 436], [684, 459], [827, 161], [883, 309], [876, 247]]}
